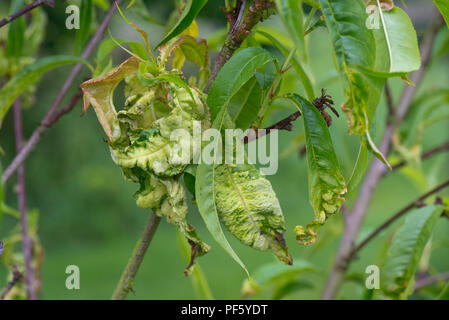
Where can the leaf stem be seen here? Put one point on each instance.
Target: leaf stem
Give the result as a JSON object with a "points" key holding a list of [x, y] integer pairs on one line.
{"points": [[23, 11], [126, 281], [21, 194]]}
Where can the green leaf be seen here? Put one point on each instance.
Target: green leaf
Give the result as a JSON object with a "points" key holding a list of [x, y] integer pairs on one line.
{"points": [[305, 80], [2, 197], [443, 6], [245, 105], [28, 76], [400, 43], [354, 48], [16, 32], [326, 183], [196, 51], [85, 21], [291, 14], [205, 191], [191, 10], [406, 250], [233, 76]]}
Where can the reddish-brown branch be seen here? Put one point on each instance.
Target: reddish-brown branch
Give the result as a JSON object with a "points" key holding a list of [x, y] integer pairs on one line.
{"points": [[416, 203], [430, 280], [16, 277], [284, 124], [240, 26], [21, 195], [28, 8], [47, 119]]}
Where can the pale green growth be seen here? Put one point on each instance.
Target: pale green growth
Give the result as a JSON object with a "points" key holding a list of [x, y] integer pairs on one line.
{"points": [[249, 208]]}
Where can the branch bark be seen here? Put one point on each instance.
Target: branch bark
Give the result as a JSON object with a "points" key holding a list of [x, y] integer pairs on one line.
{"points": [[46, 121], [239, 28], [21, 194], [393, 218], [16, 277], [430, 280], [126, 281], [28, 8], [354, 219]]}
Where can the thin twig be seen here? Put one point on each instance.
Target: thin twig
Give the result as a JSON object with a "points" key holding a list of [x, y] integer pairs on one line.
{"points": [[284, 124], [240, 28], [126, 281], [431, 280], [21, 194], [16, 277], [418, 202], [28, 8], [46, 120], [354, 219], [425, 155]]}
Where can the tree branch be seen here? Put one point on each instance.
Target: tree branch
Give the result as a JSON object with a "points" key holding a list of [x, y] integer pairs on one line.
{"points": [[28, 8], [47, 119], [430, 280], [354, 219], [284, 124], [418, 202], [126, 281], [425, 155], [21, 194], [16, 277], [239, 28]]}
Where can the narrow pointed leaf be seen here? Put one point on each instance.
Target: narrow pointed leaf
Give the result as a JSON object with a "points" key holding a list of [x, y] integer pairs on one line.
{"points": [[406, 250], [85, 21], [28, 76], [443, 6], [191, 10]]}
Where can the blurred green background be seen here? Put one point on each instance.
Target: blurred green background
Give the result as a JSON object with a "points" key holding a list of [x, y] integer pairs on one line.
{"points": [[89, 218]]}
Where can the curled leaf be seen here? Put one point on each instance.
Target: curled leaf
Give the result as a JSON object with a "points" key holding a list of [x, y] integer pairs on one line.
{"points": [[326, 183], [249, 208]]}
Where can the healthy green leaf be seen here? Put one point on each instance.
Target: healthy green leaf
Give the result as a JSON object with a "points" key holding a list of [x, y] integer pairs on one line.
{"points": [[399, 44], [406, 250], [233, 76], [246, 104], [305, 80], [85, 21], [29, 76], [291, 14], [443, 6], [354, 47], [191, 10], [16, 32], [326, 183]]}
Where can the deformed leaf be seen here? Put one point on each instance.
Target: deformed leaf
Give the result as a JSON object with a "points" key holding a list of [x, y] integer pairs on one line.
{"points": [[326, 183], [249, 208], [406, 250], [100, 93], [28, 76], [206, 193]]}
